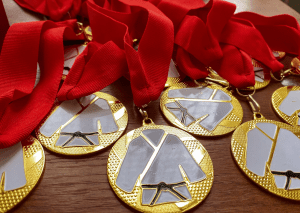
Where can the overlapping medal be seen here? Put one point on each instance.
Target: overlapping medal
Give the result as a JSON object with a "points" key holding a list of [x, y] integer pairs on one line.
{"points": [[262, 75], [268, 153], [286, 102], [160, 169], [83, 126], [174, 76], [208, 110], [21, 166]]}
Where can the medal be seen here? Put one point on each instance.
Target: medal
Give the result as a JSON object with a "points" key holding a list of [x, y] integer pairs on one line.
{"points": [[21, 166], [286, 102], [83, 126], [173, 75], [159, 168], [262, 75], [278, 54], [267, 152], [207, 110]]}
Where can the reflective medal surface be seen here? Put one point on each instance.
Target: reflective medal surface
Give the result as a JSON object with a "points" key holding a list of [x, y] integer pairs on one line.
{"points": [[159, 168], [71, 53], [278, 54], [21, 166], [204, 110], [262, 76], [286, 102], [83, 126], [268, 153], [174, 76]]}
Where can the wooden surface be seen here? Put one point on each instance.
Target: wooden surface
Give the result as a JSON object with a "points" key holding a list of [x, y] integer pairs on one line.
{"points": [[79, 184]]}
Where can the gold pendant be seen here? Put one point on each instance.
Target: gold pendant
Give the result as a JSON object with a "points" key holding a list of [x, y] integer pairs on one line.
{"points": [[268, 153], [159, 168], [83, 126], [286, 102], [209, 110], [21, 167]]}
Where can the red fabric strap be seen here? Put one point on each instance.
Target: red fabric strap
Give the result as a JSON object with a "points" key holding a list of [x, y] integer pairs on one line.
{"points": [[281, 32], [246, 37], [95, 68], [56, 9], [4, 25], [125, 20], [206, 33], [23, 106]]}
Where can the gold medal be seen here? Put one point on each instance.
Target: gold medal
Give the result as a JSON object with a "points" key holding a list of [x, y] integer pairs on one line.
{"points": [[83, 126], [268, 153], [286, 102], [159, 168], [207, 110], [262, 76], [174, 76], [278, 54], [21, 166]]}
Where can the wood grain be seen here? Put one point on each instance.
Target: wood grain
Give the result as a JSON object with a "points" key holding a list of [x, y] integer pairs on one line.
{"points": [[79, 184]]}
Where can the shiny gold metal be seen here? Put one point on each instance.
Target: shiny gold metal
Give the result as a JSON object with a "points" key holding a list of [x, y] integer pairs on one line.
{"points": [[278, 96], [119, 113], [255, 107], [294, 70], [173, 81], [80, 28], [228, 124], [198, 189], [221, 82], [88, 33], [295, 63], [34, 162], [239, 150], [264, 81], [278, 54]]}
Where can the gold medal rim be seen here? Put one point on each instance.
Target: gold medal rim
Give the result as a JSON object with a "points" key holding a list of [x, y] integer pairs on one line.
{"points": [[259, 85], [201, 188], [104, 140], [281, 54], [33, 167], [239, 148], [173, 81], [277, 97], [234, 118]]}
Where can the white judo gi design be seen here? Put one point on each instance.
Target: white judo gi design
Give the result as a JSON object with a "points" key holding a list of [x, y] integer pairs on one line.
{"points": [[211, 106], [80, 122], [12, 167], [276, 148], [291, 104], [160, 161]]}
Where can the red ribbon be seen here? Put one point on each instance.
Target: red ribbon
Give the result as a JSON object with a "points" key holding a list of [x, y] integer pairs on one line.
{"points": [[204, 34], [4, 25], [125, 20], [104, 60], [21, 105], [281, 32], [56, 10]]}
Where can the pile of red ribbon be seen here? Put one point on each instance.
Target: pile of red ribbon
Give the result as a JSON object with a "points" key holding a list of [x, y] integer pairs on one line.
{"points": [[194, 34]]}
